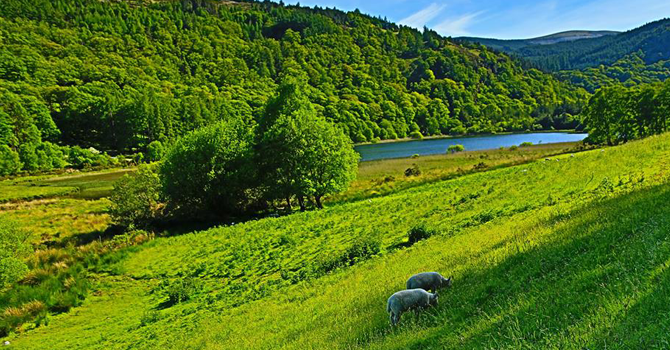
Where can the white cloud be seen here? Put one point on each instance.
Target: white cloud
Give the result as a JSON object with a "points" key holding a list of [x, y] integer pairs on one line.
{"points": [[422, 17], [457, 26]]}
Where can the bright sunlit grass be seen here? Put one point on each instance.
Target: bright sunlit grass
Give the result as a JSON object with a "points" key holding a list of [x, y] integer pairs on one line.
{"points": [[565, 253]]}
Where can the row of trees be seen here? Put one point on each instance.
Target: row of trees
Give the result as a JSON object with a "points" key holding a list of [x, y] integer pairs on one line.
{"points": [[238, 166], [618, 114], [118, 76]]}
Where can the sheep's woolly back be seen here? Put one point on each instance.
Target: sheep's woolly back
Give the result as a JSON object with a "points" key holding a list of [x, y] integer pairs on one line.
{"points": [[408, 299], [425, 280]]}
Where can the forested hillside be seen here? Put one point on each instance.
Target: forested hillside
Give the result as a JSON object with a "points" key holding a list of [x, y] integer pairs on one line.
{"points": [[641, 55], [117, 75]]}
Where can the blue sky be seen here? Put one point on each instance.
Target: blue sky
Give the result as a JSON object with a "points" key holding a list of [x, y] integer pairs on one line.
{"points": [[508, 19]]}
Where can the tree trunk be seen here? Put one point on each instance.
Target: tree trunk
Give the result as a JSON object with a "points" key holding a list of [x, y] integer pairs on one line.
{"points": [[317, 199], [301, 201], [288, 203]]}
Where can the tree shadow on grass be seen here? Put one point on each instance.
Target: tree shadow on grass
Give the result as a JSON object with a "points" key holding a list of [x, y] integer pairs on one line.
{"points": [[644, 321], [567, 290]]}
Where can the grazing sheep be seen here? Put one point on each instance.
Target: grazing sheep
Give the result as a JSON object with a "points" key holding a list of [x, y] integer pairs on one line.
{"points": [[409, 299], [429, 281]]}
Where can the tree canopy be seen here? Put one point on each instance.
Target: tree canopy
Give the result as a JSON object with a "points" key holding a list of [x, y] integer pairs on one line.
{"points": [[618, 114], [119, 75]]}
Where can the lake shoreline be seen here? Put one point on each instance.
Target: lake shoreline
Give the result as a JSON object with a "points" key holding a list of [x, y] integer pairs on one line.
{"points": [[438, 145], [478, 151], [441, 137]]}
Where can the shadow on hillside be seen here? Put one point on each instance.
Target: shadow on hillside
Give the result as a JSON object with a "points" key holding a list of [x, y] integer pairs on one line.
{"points": [[645, 322], [535, 298]]}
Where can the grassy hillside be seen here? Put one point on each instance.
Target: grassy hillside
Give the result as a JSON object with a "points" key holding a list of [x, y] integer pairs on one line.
{"points": [[569, 252]]}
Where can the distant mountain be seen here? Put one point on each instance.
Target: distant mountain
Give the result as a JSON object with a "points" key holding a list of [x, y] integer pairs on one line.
{"points": [[571, 35], [515, 44], [569, 52], [637, 56]]}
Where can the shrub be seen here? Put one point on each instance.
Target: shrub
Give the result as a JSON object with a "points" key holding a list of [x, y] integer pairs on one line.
{"points": [[414, 156], [179, 289], [416, 135], [28, 157], [455, 149], [480, 166], [513, 148], [419, 233], [526, 144], [135, 199], [209, 171], [413, 171], [138, 158], [155, 151], [81, 158], [10, 163]]}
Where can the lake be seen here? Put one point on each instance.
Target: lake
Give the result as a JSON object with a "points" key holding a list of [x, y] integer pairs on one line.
{"points": [[477, 143]]}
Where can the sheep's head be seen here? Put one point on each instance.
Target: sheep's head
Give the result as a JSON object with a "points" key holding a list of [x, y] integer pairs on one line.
{"points": [[433, 299], [446, 282]]}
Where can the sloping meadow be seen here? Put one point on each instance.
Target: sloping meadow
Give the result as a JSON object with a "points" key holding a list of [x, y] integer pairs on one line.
{"points": [[557, 253]]}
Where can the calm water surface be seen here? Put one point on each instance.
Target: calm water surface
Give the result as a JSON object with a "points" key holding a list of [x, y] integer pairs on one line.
{"points": [[439, 146]]}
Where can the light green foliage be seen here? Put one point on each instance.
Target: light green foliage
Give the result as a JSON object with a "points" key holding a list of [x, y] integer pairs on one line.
{"points": [[13, 248], [618, 114], [155, 151], [416, 135], [209, 171], [526, 144], [300, 154], [24, 120], [455, 149], [81, 158], [9, 161], [135, 201]]}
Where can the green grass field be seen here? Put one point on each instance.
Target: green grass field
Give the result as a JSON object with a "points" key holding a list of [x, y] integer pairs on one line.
{"points": [[80, 185], [566, 253]]}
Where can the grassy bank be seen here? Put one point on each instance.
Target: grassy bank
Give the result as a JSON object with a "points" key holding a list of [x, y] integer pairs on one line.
{"points": [[566, 253], [381, 177]]}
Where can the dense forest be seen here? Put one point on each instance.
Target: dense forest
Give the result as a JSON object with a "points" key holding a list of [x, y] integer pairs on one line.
{"points": [[118, 76], [641, 55]]}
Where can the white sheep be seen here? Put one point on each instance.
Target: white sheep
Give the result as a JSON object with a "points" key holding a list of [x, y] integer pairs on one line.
{"points": [[431, 281], [409, 299]]}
